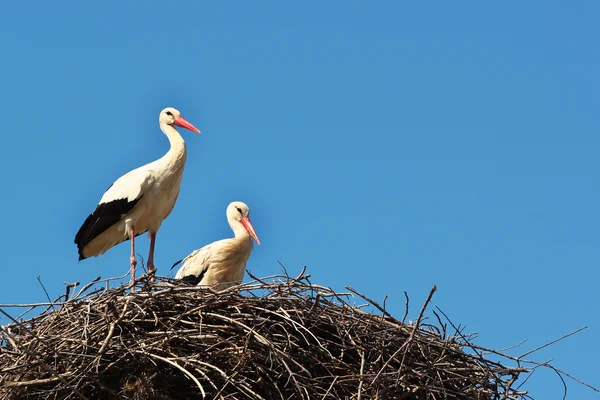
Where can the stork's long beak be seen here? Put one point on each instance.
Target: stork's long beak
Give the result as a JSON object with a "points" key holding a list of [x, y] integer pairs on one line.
{"points": [[248, 225], [182, 122]]}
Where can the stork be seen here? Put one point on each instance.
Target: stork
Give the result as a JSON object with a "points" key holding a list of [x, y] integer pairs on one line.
{"points": [[139, 201], [221, 264]]}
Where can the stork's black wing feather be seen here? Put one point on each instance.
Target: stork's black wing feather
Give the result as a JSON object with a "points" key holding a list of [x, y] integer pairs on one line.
{"points": [[177, 263], [104, 216], [193, 279], [190, 280]]}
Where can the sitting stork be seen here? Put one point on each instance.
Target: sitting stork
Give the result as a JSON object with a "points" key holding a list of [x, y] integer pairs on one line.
{"points": [[222, 263], [139, 201]]}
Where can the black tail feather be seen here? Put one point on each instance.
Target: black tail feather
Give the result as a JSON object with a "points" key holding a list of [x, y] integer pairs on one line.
{"points": [[104, 216]]}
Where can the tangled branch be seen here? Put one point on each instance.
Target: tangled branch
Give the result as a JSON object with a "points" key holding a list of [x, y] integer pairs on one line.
{"points": [[273, 338]]}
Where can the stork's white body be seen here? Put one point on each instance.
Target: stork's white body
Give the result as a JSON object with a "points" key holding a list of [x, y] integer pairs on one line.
{"points": [[222, 264], [156, 185], [138, 201]]}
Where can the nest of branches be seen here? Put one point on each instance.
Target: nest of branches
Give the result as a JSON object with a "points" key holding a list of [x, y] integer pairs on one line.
{"points": [[273, 338]]}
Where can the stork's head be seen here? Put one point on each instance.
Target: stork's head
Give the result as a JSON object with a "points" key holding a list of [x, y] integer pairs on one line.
{"points": [[238, 213], [170, 116]]}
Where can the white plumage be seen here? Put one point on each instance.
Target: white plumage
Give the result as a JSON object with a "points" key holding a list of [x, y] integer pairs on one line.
{"points": [[221, 264], [138, 201]]}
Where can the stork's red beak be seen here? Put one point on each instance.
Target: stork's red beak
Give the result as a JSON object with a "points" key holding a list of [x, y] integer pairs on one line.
{"points": [[248, 225], [182, 122]]}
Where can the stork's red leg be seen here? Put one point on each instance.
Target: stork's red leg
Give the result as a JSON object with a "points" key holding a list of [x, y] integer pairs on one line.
{"points": [[132, 260], [151, 268]]}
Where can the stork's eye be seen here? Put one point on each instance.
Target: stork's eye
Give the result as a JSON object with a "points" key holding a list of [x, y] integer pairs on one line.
{"points": [[240, 210], [169, 113]]}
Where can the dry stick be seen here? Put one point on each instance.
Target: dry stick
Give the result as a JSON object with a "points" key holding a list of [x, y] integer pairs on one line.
{"points": [[330, 387], [45, 291], [283, 266], [513, 346], [301, 275], [68, 287], [20, 316], [474, 348], [185, 371], [385, 301], [442, 325], [558, 371], [297, 326], [414, 331], [315, 302], [406, 311], [372, 302], [264, 341], [412, 335], [333, 324], [220, 371], [561, 378], [8, 337], [512, 380], [86, 287], [31, 383], [526, 379], [362, 370], [13, 305], [552, 342], [204, 375], [42, 363], [545, 364], [111, 330]]}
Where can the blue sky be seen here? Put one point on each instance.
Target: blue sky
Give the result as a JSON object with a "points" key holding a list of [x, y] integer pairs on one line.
{"points": [[388, 146]]}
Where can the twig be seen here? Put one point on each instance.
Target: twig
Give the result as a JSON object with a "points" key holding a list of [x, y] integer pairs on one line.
{"points": [[68, 288], [416, 327], [111, 330], [407, 343], [406, 310], [45, 366], [278, 337], [35, 382], [362, 371], [179, 367], [45, 291], [552, 342], [372, 302]]}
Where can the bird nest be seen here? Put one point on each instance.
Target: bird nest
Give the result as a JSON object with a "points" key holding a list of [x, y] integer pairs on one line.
{"points": [[273, 338]]}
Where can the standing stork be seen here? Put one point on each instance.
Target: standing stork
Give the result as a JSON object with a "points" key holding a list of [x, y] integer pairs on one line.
{"points": [[139, 201], [222, 263]]}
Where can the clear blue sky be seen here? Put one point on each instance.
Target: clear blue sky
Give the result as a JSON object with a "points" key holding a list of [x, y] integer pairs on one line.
{"points": [[388, 146]]}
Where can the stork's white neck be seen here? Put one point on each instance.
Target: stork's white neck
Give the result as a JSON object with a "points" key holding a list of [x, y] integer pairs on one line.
{"points": [[238, 229], [176, 154]]}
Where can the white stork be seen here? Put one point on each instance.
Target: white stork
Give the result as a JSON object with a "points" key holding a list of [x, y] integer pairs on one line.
{"points": [[139, 201], [221, 264]]}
